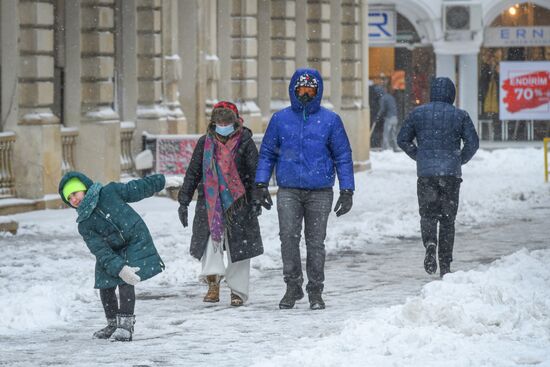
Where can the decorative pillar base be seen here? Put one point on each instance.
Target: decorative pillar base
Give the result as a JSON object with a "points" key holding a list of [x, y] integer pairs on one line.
{"points": [[252, 116], [154, 125], [177, 125], [357, 124], [37, 160], [98, 150]]}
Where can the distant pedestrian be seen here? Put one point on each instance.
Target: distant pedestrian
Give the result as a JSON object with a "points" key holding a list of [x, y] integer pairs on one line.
{"points": [[439, 129], [120, 241], [387, 111], [222, 170], [308, 146]]}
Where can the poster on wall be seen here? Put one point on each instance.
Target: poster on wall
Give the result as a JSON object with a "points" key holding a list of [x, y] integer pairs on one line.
{"points": [[524, 90], [173, 154]]}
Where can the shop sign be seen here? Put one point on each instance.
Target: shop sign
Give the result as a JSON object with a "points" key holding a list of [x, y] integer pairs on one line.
{"points": [[524, 90], [517, 36], [382, 26]]}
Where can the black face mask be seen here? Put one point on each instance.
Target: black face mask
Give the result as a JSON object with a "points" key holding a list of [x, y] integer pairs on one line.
{"points": [[305, 98]]}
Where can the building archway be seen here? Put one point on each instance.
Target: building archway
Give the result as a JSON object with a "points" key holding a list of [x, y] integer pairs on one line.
{"points": [[404, 68]]}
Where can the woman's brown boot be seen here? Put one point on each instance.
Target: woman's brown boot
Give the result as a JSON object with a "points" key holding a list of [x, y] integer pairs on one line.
{"points": [[213, 294]]}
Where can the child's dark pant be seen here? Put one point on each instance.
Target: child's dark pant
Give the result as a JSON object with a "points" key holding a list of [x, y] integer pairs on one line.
{"points": [[110, 303]]}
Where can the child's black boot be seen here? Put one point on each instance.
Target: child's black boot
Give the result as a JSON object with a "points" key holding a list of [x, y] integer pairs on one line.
{"points": [[124, 328], [107, 331]]}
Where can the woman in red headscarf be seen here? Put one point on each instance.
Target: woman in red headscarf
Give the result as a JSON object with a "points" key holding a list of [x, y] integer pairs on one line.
{"points": [[222, 170]]}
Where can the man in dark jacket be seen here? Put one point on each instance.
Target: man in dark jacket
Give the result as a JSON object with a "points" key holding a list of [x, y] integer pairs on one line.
{"points": [[439, 128], [308, 146]]}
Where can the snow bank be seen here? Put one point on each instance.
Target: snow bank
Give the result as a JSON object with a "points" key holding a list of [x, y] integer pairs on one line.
{"points": [[497, 316]]}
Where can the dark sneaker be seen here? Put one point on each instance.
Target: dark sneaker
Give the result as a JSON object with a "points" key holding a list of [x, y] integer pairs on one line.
{"points": [[430, 262], [444, 268], [107, 331], [316, 301], [293, 294]]}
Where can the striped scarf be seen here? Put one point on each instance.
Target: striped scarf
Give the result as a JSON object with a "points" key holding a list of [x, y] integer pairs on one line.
{"points": [[222, 184]]}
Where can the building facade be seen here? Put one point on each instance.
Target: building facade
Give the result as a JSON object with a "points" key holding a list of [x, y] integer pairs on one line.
{"points": [[81, 80], [429, 40]]}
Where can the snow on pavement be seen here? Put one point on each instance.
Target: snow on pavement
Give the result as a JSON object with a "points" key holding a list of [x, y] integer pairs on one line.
{"points": [[496, 317], [46, 272]]}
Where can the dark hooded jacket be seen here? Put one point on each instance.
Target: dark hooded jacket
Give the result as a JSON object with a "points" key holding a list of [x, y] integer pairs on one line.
{"points": [[307, 144], [386, 104], [114, 232], [439, 129], [243, 228]]}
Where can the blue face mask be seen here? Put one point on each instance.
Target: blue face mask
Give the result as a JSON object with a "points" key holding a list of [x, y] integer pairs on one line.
{"points": [[225, 130]]}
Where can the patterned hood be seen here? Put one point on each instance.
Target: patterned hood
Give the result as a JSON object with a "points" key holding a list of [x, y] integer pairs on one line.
{"points": [[315, 104]]}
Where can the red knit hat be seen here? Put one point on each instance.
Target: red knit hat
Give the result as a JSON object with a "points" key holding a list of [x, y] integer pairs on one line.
{"points": [[228, 105]]}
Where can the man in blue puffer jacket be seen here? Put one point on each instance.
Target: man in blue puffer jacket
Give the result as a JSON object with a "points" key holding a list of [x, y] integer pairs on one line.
{"points": [[439, 128], [308, 146]]}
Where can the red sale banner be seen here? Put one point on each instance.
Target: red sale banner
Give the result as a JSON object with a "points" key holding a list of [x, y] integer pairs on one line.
{"points": [[527, 91]]}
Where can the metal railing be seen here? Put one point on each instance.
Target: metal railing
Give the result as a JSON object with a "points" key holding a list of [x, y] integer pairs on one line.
{"points": [[7, 179], [127, 130], [68, 143]]}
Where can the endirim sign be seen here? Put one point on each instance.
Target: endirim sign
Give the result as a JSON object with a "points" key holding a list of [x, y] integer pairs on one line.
{"points": [[525, 90]]}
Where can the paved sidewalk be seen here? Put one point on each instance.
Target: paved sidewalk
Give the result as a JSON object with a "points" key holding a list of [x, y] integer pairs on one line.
{"points": [[174, 328]]}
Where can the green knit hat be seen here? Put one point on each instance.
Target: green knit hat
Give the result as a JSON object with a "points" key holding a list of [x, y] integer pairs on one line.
{"points": [[72, 186]]}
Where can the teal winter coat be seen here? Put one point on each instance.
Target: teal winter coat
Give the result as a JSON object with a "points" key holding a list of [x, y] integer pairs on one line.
{"points": [[113, 231]]}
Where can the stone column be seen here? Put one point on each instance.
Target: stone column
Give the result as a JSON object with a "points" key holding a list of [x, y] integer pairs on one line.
{"points": [[301, 34], [98, 146], [351, 107], [284, 47], [362, 152], [336, 48], [468, 85], [265, 71], [152, 113], [188, 27], [318, 43], [211, 59], [445, 65], [244, 61], [37, 150], [72, 95], [177, 124], [126, 61]]}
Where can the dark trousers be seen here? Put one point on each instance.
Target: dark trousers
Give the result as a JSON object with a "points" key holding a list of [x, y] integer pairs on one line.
{"points": [[109, 300], [438, 203], [313, 207]]}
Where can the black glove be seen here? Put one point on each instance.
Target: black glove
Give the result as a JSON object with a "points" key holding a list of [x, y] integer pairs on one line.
{"points": [[182, 213], [344, 203], [261, 197]]}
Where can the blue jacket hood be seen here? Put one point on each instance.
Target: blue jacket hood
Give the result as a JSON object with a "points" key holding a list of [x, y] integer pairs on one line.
{"points": [[315, 104], [442, 90]]}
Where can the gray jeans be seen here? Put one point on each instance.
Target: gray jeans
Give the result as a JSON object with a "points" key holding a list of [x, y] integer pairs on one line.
{"points": [[313, 207], [389, 139]]}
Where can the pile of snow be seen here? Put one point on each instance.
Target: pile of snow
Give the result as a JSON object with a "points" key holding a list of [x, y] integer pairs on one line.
{"points": [[499, 316]]}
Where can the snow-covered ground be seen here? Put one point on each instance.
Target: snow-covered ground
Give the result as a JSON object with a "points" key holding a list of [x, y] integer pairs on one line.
{"points": [[382, 309]]}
